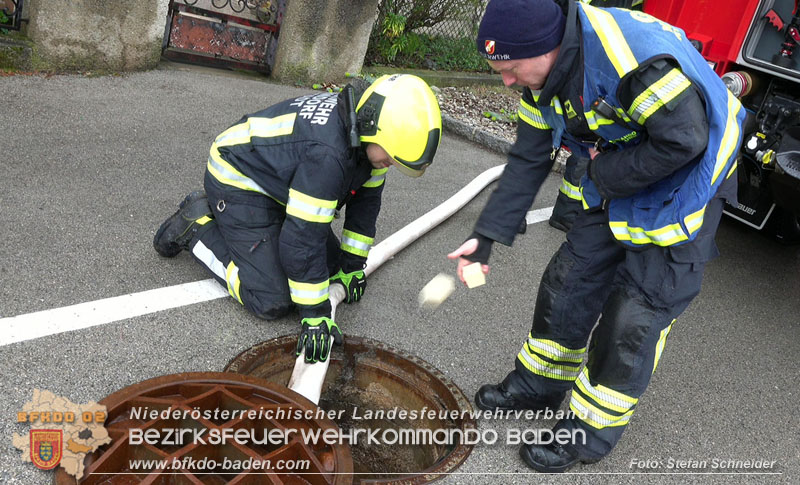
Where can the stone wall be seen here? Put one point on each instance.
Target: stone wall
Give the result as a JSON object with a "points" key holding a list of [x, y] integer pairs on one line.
{"points": [[320, 40], [113, 35]]}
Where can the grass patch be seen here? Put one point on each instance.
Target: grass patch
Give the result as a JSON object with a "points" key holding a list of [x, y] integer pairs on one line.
{"points": [[420, 51]]}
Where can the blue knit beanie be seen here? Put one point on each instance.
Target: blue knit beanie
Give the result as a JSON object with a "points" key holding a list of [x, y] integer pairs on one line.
{"points": [[518, 29]]}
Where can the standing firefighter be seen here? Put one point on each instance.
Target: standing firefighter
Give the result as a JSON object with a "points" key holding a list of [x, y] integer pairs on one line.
{"points": [[275, 181], [661, 130], [568, 203]]}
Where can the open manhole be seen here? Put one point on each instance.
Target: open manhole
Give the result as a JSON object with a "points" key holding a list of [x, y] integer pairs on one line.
{"points": [[368, 378], [237, 403]]}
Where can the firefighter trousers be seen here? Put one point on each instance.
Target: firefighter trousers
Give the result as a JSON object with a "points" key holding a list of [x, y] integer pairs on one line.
{"points": [[239, 247], [637, 295]]}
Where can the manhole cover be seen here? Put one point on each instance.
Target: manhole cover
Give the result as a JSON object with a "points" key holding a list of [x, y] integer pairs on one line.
{"points": [[224, 401], [367, 376]]}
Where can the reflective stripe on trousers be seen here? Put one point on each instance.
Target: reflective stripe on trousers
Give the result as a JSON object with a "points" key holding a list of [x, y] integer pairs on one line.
{"points": [[639, 293]]}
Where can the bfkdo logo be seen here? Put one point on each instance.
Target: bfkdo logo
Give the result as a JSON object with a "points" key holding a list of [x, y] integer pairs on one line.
{"points": [[46, 446], [61, 432]]}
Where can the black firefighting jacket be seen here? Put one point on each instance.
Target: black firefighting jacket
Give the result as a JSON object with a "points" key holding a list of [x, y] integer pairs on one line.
{"points": [[297, 153], [675, 135]]}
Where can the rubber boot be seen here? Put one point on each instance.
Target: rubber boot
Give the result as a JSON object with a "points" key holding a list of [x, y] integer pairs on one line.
{"points": [[512, 394], [551, 457], [176, 233]]}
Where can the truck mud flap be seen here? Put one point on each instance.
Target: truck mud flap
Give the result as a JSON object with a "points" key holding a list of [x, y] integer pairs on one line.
{"points": [[755, 217]]}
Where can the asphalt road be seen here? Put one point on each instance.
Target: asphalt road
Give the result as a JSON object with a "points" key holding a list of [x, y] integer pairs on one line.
{"points": [[92, 166]]}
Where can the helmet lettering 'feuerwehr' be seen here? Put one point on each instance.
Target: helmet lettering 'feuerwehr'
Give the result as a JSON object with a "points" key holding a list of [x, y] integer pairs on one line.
{"points": [[400, 113]]}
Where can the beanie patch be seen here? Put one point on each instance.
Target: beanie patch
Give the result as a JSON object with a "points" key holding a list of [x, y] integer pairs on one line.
{"points": [[519, 29]]}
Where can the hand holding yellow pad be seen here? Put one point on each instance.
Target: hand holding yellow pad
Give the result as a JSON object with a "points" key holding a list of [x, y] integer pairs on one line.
{"points": [[473, 275]]}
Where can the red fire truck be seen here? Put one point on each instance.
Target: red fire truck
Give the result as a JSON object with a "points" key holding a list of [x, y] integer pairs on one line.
{"points": [[754, 46]]}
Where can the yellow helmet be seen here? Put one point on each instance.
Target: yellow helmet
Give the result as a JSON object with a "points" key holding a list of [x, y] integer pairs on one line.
{"points": [[400, 113]]}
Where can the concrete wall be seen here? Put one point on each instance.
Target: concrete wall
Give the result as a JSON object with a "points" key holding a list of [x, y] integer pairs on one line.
{"points": [[115, 35], [320, 40]]}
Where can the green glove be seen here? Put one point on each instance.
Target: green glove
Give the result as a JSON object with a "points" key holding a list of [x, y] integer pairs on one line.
{"points": [[315, 337], [354, 284]]}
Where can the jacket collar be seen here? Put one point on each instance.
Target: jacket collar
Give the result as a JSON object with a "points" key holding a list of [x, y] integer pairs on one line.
{"points": [[567, 63]]}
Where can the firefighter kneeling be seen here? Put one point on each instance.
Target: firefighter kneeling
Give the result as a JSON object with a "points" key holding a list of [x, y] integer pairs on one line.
{"points": [[274, 182]]}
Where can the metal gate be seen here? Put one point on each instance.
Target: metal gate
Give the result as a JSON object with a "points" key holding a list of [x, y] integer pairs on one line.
{"points": [[224, 33], [11, 14]]}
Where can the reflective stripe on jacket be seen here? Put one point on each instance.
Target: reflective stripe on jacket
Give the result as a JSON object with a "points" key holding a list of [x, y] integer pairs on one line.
{"points": [[671, 211], [296, 152]]}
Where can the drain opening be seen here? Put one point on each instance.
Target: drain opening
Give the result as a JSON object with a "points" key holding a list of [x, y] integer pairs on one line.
{"points": [[367, 376]]}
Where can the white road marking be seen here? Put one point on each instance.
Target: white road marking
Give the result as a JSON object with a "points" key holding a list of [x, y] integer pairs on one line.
{"points": [[84, 315], [30, 326]]}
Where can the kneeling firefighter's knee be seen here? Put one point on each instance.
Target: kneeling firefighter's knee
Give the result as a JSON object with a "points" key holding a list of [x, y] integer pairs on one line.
{"points": [[273, 312]]}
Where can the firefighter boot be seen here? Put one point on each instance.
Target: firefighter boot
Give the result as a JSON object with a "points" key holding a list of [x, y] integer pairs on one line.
{"points": [[176, 233], [513, 393], [551, 457]]}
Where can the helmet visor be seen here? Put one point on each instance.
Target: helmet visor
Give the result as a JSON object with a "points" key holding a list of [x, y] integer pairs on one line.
{"points": [[406, 170]]}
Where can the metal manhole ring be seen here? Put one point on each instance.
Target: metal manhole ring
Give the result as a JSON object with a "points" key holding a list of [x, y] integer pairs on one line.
{"points": [[411, 377], [327, 464]]}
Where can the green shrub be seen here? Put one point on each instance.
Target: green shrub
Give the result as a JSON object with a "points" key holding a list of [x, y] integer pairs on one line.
{"points": [[455, 54], [394, 35], [411, 34], [418, 51], [4, 20], [427, 13]]}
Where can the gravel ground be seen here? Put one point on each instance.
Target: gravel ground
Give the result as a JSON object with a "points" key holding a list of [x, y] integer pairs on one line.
{"points": [[471, 104], [492, 108]]}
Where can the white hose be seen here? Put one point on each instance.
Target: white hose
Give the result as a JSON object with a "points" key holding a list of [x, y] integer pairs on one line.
{"points": [[307, 379]]}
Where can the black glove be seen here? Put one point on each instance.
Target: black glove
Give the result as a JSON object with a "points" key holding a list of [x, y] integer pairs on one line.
{"points": [[315, 337], [481, 255], [354, 284]]}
